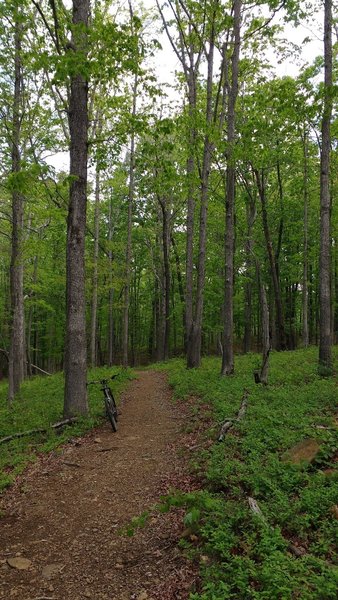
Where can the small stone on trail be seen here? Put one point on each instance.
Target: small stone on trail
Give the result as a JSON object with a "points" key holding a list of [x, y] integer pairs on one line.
{"points": [[50, 570], [304, 451], [143, 596], [19, 563], [97, 441]]}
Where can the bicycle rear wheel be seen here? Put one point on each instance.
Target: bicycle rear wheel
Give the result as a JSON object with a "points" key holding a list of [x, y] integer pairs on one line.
{"points": [[111, 411]]}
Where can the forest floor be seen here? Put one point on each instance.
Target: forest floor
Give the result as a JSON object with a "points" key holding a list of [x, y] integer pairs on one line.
{"points": [[67, 514]]}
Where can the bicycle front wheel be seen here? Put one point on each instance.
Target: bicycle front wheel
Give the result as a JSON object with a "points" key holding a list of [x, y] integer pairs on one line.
{"points": [[111, 411]]}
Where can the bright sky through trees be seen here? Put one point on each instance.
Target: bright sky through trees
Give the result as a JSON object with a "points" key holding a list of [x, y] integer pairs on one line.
{"points": [[307, 36]]}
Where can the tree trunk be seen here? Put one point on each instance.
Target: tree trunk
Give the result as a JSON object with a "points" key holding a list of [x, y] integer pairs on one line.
{"points": [[265, 335], [125, 329], [251, 216], [191, 168], [325, 338], [16, 363], [194, 338], [335, 294], [305, 292], [166, 278], [111, 289], [281, 220], [93, 336], [75, 401], [281, 340], [228, 343], [30, 321], [261, 376], [179, 282]]}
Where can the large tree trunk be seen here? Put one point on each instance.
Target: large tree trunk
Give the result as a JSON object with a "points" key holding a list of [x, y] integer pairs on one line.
{"points": [[325, 338], [16, 364], [75, 401], [93, 334], [228, 343]]}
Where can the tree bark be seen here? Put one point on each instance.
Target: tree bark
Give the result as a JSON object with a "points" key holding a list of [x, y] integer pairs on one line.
{"points": [[75, 400], [228, 344], [16, 365], [325, 338]]}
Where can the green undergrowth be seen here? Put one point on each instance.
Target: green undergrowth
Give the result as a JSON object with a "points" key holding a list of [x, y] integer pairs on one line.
{"points": [[38, 405], [242, 555]]}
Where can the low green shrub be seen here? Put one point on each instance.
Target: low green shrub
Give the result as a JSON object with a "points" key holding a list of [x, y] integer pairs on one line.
{"points": [[288, 551], [40, 404]]}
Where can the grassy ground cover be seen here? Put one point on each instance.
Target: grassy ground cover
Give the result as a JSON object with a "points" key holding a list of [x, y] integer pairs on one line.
{"points": [[39, 404], [289, 552]]}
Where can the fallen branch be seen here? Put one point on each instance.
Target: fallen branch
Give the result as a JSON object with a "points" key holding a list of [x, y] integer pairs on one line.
{"points": [[256, 510], [39, 369], [8, 438], [298, 551], [64, 422], [6, 353], [229, 422]]}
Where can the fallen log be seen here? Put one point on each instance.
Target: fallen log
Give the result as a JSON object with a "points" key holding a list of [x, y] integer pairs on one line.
{"points": [[21, 434], [229, 422]]}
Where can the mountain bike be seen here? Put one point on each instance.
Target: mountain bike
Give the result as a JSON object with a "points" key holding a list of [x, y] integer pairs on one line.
{"points": [[109, 401]]}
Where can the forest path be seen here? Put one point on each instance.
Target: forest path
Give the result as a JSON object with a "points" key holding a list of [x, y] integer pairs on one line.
{"points": [[66, 512]]}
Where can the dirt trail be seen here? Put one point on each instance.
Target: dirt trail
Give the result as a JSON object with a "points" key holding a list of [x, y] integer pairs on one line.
{"points": [[66, 512]]}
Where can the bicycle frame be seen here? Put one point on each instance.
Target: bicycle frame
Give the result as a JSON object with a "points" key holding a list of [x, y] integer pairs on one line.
{"points": [[109, 401]]}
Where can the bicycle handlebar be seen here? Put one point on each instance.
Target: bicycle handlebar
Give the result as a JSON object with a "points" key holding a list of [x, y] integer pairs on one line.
{"points": [[102, 381]]}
